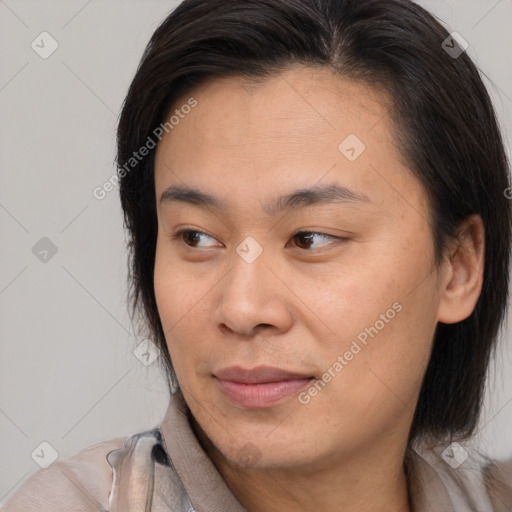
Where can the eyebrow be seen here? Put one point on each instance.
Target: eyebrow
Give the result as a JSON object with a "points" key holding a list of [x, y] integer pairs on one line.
{"points": [[300, 198]]}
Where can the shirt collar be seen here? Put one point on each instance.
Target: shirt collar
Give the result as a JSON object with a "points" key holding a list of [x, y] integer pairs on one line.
{"points": [[208, 491], [205, 486]]}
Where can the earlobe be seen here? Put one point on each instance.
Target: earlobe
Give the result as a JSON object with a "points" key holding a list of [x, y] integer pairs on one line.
{"points": [[464, 269]]}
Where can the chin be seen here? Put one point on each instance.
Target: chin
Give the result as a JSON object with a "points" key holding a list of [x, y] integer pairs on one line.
{"points": [[258, 450]]}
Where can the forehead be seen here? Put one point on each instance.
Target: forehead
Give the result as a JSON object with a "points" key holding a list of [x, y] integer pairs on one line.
{"points": [[290, 129], [297, 102]]}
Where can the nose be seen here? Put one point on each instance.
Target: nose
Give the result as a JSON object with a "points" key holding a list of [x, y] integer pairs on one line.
{"points": [[253, 299]]}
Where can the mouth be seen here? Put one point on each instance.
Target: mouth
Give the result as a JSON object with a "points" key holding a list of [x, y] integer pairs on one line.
{"points": [[260, 387]]}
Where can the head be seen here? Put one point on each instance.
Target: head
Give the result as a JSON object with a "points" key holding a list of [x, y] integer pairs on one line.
{"points": [[346, 120]]}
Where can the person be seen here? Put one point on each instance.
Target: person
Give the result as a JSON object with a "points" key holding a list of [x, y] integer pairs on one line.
{"points": [[315, 193]]}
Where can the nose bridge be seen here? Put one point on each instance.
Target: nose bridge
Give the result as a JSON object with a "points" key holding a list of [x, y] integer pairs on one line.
{"points": [[249, 268], [249, 297]]}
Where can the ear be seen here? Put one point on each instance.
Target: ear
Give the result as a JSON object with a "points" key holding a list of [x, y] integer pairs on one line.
{"points": [[463, 272]]}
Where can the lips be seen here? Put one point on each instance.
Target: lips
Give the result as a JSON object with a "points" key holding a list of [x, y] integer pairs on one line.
{"points": [[259, 387], [258, 375]]}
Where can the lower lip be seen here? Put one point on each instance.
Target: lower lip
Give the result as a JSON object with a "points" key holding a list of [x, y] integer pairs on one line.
{"points": [[261, 395]]}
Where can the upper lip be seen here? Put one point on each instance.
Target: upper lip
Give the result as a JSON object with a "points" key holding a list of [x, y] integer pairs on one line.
{"points": [[258, 374]]}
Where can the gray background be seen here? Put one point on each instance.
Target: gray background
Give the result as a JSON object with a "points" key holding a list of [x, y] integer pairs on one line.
{"points": [[68, 375]]}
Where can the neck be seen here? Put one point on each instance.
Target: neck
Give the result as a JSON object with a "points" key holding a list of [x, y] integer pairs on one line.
{"points": [[362, 482]]}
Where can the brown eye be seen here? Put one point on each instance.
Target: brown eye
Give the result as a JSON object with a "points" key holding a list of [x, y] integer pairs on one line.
{"points": [[306, 239], [189, 237]]}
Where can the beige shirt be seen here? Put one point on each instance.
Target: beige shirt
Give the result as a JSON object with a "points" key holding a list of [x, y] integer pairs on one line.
{"points": [[166, 470]]}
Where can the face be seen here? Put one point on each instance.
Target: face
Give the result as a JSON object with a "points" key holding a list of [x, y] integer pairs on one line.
{"points": [[293, 348]]}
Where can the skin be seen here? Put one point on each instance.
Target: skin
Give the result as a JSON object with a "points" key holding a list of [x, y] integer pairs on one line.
{"points": [[302, 302]]}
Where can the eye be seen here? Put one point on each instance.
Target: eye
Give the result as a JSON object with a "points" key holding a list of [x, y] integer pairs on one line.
{"points": [[189, 236], [192, 237], [306, 238]]}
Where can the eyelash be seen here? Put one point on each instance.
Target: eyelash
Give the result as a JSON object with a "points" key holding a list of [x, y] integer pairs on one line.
{"points": [[178, 234]]}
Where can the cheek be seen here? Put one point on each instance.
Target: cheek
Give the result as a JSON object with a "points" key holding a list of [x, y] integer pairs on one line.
{"points": [[172, 302], [165, 289], [387, 355], [177, 289], [379, 384], [384, 315], [181, 297], [354, 298]]}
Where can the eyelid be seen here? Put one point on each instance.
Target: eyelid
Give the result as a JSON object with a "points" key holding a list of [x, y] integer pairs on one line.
{"points": [[312, 231]]}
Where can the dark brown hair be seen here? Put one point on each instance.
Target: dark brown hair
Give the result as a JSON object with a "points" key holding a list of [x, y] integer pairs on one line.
{"points": [[445, 128]]}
